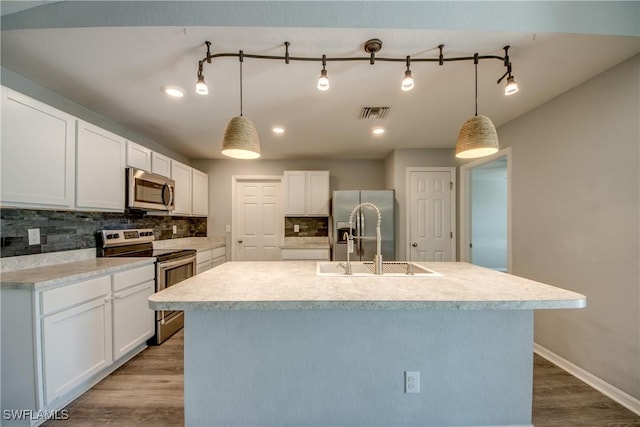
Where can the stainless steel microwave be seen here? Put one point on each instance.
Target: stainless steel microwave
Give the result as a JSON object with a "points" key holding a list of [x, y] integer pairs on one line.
{"points": [[149, 191]]}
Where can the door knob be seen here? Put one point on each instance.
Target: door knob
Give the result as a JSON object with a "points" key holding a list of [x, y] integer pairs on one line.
{"points": [[239, 240], [414, 244]]}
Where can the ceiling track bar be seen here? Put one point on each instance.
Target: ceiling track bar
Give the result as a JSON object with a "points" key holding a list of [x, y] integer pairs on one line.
{"points": [[371, 46], [288, 58]]}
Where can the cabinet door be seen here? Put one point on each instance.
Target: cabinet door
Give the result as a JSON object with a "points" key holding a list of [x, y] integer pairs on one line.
{"points": [[101, 163], [200, 199], [76, 345], [38, 155], [317, 193], [138, 156], [160, 164], [181, 174], [133, 320], [295, 185]]}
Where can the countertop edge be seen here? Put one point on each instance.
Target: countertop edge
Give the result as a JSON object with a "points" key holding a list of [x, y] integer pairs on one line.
{"points": [[127, 263], [365, 305]]}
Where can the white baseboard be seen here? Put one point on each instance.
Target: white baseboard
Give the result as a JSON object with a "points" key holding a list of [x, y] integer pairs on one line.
{"points": [[624, 399]]}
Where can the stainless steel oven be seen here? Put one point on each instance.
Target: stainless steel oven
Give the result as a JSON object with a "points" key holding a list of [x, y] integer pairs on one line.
{"points": [[172, 267], [169, 273]]}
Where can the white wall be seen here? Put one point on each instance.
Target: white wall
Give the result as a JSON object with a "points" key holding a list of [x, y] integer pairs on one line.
{"points": [[576, 210], [345, 175]]}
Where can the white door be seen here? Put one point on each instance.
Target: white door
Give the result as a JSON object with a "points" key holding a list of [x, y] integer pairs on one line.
{"points": [[258, 219], [431, 214]]}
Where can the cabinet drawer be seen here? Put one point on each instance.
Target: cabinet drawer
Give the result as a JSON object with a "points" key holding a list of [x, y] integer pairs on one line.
{"points": [[70, 295], [204, 256], [218, 252], [305, 254], [133, 277]]}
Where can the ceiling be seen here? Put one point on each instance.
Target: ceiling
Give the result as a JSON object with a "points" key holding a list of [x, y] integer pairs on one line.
{"points": [[118, 72]]}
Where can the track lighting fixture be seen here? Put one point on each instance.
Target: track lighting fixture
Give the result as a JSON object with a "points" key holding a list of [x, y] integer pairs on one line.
{"points": [[323, 80], [407, 82], [477, 136], [240, 139]]}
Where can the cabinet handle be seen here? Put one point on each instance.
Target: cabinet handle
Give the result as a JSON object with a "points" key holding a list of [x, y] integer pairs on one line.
{"points": [[107, 298], [239, 240], [414, 244]]}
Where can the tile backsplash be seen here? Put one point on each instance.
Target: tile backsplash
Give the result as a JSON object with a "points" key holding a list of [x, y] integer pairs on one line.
{"points": [[309, 226], [69, 230]]}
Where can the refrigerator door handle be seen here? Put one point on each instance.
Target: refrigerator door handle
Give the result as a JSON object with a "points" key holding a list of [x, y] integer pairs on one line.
{"points": [[362, 231]]}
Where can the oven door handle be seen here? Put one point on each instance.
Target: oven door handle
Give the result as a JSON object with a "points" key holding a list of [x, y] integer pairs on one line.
{"points": [[174, 263]]}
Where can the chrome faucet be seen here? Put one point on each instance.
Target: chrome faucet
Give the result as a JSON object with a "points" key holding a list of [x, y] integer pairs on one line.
{"points": [[377, 259]]}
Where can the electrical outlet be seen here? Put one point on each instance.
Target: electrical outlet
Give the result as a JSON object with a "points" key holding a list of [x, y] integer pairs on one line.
{"points": [[227, 228], [34, 236], [296, 228], [412, 381], [175, 229]]}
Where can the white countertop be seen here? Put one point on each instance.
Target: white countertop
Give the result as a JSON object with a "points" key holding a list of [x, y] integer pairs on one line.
{"points": [[52, 276], [293, 285]]}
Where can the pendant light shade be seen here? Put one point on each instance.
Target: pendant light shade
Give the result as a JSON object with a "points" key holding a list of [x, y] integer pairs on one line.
{"points": [[477, 138], [240, 139]]}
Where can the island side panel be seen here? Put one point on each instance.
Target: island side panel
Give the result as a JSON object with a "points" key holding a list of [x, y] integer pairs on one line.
{"points": [[346, 367]]}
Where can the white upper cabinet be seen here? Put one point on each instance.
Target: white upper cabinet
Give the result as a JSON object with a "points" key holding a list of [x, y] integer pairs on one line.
{"points": [[100, 176], [306, 193], [181, 174], [191, 192], [160, 164], [138, 157], [200, 199], [38, 142]]}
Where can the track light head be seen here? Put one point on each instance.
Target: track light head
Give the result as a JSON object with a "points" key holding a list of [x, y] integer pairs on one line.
{"points": [[407, 82], [323, 80], [201, 86], [511, 87]]}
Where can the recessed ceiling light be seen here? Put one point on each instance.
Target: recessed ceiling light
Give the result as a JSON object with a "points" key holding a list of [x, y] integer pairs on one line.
{"points": [[377, 131], [278, 130], [173, 91]]}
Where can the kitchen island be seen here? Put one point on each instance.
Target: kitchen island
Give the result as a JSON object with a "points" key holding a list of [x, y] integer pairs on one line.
{"points": [[271, 343]]}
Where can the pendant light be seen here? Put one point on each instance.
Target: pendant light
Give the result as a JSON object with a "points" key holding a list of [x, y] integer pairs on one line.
{"points": [[477, 137], [240, 140]]}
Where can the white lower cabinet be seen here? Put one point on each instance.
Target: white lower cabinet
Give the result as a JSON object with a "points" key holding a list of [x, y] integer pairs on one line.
{"points": [[64, 340], [76, 346], [210, 258], [133, 320]]}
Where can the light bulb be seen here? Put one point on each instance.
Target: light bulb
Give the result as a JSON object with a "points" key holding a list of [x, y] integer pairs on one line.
{"points": [[323, 81], [201, 86], [511, 87], [407, 82]]}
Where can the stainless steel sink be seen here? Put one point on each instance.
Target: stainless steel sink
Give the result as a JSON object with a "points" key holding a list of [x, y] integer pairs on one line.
{"points": [[366, 269]]}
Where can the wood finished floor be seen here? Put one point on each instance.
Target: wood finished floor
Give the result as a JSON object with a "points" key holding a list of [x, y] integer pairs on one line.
{"points": [[148, 391]]}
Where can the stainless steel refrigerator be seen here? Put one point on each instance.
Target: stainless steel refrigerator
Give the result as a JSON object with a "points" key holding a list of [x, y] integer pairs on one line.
{"points": [[364, 224]]}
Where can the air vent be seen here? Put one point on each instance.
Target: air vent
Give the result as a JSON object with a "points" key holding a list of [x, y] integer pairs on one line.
{"points": [[374, 112]]}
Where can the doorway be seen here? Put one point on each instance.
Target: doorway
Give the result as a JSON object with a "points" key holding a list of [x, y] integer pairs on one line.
{"points": [[431, 211], [485, 212], [257, 218]]}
